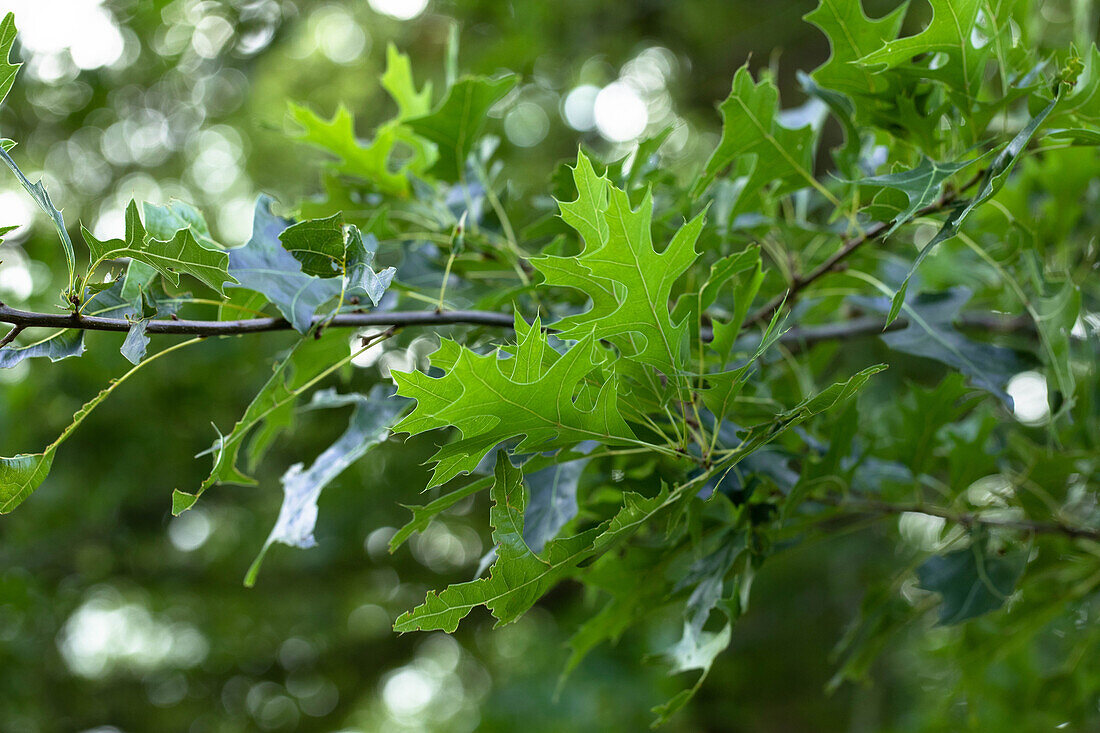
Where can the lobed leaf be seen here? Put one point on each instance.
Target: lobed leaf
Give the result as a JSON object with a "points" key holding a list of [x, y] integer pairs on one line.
{"points": [[490, 400], [750, 126], [455, 124], [181, 252], [628, 281]]}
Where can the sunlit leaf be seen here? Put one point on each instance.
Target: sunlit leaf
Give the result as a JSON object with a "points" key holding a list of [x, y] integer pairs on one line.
{"points": [[750, 127], [8, 70], [490, 400], [180, 253], [456, 123], [628, 280]]}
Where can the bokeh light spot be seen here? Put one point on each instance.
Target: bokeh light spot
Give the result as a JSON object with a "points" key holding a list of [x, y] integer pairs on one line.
{"points": [[1028, 391], [620, 113]]}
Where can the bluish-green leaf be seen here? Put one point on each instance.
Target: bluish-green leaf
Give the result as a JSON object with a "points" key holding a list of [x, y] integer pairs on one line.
{"points": [[369, 425], [971, 582], [62, 345], [931, 335], [264, 266]]}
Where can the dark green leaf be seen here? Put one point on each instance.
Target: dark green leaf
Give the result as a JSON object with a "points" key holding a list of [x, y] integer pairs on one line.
{"points": [[991, 183], [318, 244], [972, 582], [930, 334]]}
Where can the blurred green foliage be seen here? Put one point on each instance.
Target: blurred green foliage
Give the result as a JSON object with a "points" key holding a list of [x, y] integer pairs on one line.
{"points": [[114, 614]]}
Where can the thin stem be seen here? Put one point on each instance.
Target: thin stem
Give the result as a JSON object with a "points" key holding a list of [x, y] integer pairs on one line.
{"points": [[115, 384], [965, 519], [11, 336], [446, 277]]}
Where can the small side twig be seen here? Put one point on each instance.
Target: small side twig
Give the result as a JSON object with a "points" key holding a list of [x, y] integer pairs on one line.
{"points": [[965, 519], [11, 335], [835, 262]]}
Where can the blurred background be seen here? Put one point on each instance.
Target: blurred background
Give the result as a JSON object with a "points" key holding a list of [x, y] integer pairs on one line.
{"points": [[116, 617]]}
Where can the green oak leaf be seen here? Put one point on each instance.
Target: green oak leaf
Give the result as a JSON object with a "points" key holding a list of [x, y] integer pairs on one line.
{"points": [[456, 123], [697, 649], [742, 273], [490, 399], [370, 162], [162, 222], [722, 388], [950, 32], [852, 36], [629, 282], [182, 253], [374, 162], [922, 185], [750, 127], [326, 248], [398, 81]]}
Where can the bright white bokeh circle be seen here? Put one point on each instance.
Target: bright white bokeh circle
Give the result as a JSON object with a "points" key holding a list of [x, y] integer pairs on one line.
{"points": [[1028, 391], [400, 9], [578, 109], [620, 112]]}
